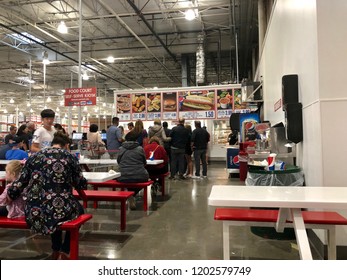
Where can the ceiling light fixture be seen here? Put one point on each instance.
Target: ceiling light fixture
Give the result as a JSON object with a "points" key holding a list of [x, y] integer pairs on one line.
{"points": [[62, 28], [11, 101], [190, 14], [110, 59], [85, 77], [45, 59], [49, 99]]}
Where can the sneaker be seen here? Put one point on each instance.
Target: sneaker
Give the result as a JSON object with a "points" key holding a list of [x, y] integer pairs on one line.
{"points": [[132, 203], [171, 178], [63, 256], [205, 177], [196, 177], [188, 176], [181, 177]]}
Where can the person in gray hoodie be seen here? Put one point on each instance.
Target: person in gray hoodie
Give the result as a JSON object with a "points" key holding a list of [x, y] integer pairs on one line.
{"points": [[158, 130], [131, 161]]}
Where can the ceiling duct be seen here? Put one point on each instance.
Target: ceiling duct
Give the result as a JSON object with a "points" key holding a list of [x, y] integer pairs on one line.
{"points": [[200, 60]]}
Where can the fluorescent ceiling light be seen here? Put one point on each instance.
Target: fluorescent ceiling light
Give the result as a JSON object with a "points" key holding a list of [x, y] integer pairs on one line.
{"points": [[190, 14], [110, 59], [62, 28], [85, 77], [46, 61]]}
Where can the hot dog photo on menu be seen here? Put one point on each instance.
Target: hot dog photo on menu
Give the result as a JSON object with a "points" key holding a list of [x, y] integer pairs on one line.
{"points": [[200, 100]]}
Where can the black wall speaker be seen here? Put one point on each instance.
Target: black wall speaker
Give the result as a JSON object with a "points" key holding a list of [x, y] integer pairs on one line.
{"points": [[290, 89], [294, 129]]}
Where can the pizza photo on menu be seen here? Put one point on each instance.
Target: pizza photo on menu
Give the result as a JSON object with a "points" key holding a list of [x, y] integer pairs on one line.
{"points": [[123, 103]]}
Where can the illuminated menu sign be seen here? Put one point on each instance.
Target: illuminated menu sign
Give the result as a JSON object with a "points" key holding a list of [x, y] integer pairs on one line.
{"points": [[171, 105]]}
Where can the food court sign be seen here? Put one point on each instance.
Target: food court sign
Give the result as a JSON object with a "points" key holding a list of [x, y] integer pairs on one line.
{"points": [[80, 96]]}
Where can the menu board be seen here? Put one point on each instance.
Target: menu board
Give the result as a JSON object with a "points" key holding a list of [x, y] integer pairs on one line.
{"points": [[225, 103], [196, 104], [123, 105], [169, 105], [153, 106], [138, 107]]}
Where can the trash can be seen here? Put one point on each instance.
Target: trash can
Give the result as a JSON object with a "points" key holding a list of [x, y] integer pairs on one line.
{"points": [[291, 176]]}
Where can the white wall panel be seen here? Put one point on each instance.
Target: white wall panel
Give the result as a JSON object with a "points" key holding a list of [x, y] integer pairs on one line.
{"points": [[309, 38]]}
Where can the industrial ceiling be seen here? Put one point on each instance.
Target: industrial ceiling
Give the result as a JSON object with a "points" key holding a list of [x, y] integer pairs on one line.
{"points": [[152, 43]]}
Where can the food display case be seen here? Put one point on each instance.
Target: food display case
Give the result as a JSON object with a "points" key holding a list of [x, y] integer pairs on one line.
{"points": [[221, 131]]}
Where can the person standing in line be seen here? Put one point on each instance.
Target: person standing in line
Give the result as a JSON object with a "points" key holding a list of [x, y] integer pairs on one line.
{"points": [[179, 139], [188, 154], [139, 130], [46, 182], [130, 126], [43, 136], [200, 139], [114, 138], [167, 145], [13, 131], [158, 131]]}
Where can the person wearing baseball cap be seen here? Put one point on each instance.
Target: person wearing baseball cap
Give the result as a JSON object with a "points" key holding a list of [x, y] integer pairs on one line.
{"points": [[16, 152], [43, 136]]}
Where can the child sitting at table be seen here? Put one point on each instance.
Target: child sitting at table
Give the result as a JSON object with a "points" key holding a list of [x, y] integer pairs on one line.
{"points": [[15, 208]]}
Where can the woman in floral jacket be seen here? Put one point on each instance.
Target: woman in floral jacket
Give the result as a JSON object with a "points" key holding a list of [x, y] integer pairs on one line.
{"points": [[46, 182]]}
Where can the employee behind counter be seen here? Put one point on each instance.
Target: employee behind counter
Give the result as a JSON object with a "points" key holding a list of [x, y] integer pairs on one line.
{"points": [[233, 137]]}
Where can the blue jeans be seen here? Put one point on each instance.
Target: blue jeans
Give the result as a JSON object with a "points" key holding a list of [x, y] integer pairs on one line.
{"points": [[200, 155]]}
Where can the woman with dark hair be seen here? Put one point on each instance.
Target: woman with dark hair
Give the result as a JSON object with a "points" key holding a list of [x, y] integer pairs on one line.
{"points": [[142, 135], [59, 127], [23, 134], [46, 182], [95, 145]]}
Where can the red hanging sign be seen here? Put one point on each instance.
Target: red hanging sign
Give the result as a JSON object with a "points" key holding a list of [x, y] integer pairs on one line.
{"points": [[80, 96]]}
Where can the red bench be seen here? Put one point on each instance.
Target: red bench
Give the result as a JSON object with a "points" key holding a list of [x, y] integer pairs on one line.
{"points": [[119, 185], [95, 196], [161, 179], [72, 226], [268, 218]]}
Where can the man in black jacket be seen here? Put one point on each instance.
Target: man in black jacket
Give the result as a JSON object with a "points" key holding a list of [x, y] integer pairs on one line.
{"points": [[179, 139], [200, 139]]}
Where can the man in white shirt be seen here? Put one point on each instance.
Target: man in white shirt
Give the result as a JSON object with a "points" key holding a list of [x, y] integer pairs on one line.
{"points": [[43, 136]]}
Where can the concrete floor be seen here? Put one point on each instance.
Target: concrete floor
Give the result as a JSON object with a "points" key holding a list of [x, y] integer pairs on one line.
{"points": [[180, 226]]}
